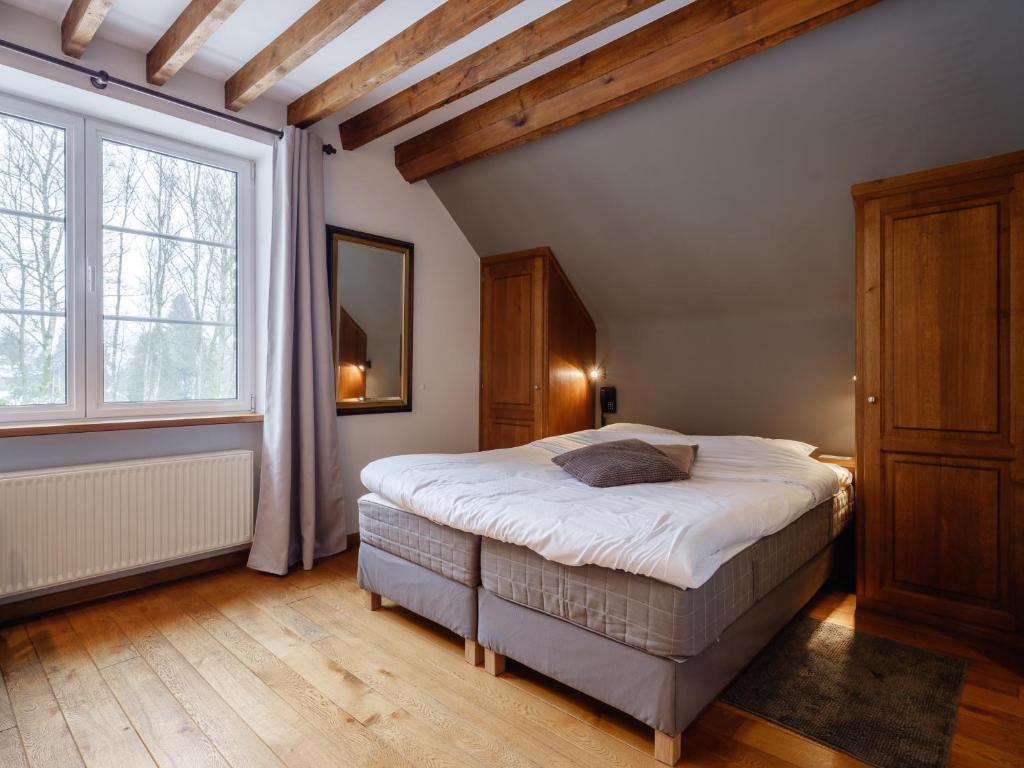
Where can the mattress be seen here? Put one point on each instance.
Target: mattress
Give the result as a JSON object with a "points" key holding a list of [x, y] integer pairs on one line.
{"points": [[438, 548], [651, 615], [742, 489]]}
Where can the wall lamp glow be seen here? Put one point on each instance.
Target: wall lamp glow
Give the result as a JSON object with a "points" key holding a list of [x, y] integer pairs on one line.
{"points": [[595, 374]]}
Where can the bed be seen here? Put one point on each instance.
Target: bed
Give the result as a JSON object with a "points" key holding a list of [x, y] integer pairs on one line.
{"points": [[662, 593]]}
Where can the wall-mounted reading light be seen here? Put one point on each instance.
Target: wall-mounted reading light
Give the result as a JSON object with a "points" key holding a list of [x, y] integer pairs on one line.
{"points": [[595, 374]]}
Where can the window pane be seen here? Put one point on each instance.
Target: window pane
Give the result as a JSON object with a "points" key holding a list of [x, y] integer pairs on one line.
{"points": [[169, 278], [160, 361], [151, 192], [32, 167], [33, 263], [32, 360], [191, 281]]}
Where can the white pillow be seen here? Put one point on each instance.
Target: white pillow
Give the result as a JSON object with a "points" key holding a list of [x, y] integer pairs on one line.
{"points": [[625, 426], [804, 449]]}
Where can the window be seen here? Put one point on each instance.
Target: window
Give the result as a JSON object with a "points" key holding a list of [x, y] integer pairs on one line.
{"points": [[144, 311]]}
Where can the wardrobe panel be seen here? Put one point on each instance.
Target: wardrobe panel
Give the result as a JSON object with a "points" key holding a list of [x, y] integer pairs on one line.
{"points": [[572, 353], [511, 334], [945, 319], [945, 529]]}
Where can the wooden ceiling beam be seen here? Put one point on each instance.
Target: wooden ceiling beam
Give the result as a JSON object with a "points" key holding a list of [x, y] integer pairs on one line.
{"points": [[437, 30], [316, 28], [558, 29], [696, 39], [192, 28], [80, 24]]}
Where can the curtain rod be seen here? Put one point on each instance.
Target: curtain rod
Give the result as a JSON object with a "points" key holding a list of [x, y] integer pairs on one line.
{"points": [[100, 79]]}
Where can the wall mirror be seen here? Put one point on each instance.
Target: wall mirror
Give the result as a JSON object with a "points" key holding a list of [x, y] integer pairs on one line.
{"points": [[371, 321]]}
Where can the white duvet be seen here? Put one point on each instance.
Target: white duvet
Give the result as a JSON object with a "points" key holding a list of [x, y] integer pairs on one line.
{"points": [[741, 489]]}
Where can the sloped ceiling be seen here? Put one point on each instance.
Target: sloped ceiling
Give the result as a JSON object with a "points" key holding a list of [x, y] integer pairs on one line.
{"points": [[730, 193]]}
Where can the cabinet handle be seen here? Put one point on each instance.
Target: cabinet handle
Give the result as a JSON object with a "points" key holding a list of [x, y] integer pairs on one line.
{"points": [[872, 399], [536, 386]]}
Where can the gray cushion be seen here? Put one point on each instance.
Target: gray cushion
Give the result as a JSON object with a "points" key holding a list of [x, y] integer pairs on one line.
{"points": [[682, 455], [620, 462]]}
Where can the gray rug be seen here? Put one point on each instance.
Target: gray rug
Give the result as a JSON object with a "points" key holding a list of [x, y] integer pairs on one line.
{"points": [[882, 702]]}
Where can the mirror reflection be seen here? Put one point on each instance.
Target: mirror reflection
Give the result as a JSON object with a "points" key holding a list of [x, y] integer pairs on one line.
{"points": [[371, 282]]}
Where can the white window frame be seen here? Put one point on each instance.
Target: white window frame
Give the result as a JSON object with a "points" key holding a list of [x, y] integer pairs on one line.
{"points": [[74, 249], [96, 132], [83, 295]]}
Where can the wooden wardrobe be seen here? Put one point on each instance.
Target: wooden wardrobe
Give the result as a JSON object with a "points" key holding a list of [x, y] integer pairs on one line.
{"points": [[537, 346], [940, 396]]}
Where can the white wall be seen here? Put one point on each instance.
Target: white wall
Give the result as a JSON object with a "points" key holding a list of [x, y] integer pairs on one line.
{"points": [[366, 193]]}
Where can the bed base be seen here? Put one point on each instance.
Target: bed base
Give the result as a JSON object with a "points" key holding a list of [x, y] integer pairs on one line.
{"points": [[665, 693], [473, 651], [449, 603]]}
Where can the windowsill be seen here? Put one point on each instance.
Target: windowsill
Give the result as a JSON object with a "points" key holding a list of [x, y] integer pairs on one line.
{"points": [[115, 425]]}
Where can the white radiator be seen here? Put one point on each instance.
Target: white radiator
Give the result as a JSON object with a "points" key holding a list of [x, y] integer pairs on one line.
{"points": [[76, 524]]}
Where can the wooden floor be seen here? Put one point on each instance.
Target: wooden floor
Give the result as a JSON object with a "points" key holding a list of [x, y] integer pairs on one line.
{"points": [[246, 670]]}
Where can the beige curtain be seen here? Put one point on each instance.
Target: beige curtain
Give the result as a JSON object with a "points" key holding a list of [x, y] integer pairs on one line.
{"points": [[300, 514]]}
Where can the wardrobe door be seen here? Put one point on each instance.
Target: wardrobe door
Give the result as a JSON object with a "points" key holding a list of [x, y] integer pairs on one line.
{"points": [[937, 279], [511, 349]]}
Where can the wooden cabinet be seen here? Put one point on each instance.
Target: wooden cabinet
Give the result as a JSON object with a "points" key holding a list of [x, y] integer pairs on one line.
{"points": [[940, 395], [537, 346]]}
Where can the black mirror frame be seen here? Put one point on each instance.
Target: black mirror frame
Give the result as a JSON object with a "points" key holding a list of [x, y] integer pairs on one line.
{"points": [[409, 248]]}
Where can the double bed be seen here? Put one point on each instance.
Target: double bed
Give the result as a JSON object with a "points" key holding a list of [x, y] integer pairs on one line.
{"points": [[650, 597]]}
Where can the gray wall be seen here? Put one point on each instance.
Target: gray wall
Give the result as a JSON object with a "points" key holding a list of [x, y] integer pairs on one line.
{"points": [[709, 228]]}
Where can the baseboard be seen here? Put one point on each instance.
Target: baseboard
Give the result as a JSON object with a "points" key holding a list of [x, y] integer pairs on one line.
{"points": [[34, 606]]}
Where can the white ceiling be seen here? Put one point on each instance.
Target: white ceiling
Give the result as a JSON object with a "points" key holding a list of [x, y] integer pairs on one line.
{"points": [[138, 24]]}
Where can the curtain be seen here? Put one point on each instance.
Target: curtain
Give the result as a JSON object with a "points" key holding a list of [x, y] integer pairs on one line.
{"points": [[300, 514]]}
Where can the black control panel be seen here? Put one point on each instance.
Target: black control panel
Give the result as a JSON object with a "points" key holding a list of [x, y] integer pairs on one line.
{"points": [[609, 403]]}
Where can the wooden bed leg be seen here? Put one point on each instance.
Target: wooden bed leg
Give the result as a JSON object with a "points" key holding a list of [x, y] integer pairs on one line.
{"points": [[372, 600], [474, 652], [667, 749], [494, 662]]}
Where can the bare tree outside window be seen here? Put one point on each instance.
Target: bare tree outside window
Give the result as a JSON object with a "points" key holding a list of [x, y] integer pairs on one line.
{"points": [[33, 262], [169, 278]]}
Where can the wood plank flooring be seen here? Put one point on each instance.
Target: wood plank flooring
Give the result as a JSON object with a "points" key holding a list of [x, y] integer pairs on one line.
{"points": [[246, 670]]}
